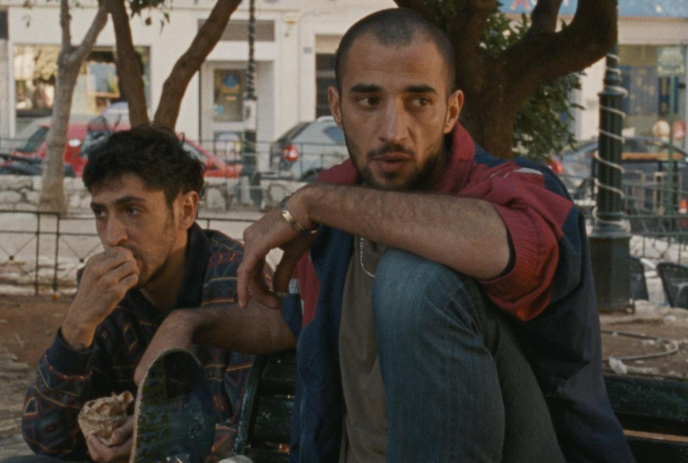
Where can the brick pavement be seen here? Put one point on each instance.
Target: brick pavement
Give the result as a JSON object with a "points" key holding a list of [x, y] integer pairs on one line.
{"points": [[15, 378]]}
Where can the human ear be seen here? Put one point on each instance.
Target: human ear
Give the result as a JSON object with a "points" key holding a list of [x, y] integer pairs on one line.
{"points": [[335, 105], [454, 105], [188, 209]]}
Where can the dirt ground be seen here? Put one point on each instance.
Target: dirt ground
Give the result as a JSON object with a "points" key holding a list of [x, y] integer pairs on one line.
{"points": [[28, 325]]}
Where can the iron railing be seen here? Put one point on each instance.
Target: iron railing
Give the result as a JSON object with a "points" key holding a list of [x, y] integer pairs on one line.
{"points": [[659, 231], [40, 252]]}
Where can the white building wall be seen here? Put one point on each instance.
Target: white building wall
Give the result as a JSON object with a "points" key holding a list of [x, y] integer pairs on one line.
{"points": [[286, 84]]}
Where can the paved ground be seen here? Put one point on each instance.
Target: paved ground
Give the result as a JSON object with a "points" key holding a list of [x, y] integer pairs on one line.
{"points": [[15, 377]]}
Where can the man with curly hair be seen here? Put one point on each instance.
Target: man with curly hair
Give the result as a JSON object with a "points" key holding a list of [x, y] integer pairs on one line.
{"points": [[145, 191]]}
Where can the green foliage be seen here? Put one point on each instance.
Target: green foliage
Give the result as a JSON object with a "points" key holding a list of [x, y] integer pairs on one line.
{"points": [[540, 128], [163, 6]]}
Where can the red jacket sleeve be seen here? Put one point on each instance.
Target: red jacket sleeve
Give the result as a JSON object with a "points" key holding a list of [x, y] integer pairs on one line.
{"points": [[534, 217]]}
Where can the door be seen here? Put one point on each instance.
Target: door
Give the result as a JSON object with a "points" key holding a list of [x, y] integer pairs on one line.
{"points": [[222, 121]]}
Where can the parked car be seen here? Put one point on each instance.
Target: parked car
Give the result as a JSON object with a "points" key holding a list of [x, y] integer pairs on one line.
{"points": [[82, 138], [26, 158], [306, 149], [641, 157]]}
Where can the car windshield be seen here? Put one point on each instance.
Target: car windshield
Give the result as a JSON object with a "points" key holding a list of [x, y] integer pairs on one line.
{"points": [[92, 137], [335, 134], [293, 132], [34, 141]]}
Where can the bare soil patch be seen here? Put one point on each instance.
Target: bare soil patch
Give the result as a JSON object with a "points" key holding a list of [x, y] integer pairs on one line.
{"points": [[28, 325]]}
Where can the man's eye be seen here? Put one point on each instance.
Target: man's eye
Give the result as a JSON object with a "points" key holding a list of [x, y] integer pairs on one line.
{"points": [[133, 211], [420, 102], [368, 101], [98, 213]]}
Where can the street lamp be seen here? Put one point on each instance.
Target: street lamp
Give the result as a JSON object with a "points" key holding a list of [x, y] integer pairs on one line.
{"points": [[609, 240], [249, 183]]}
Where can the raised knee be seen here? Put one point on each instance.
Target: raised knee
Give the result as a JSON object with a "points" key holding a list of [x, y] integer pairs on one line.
{"points": [[409, 288]]}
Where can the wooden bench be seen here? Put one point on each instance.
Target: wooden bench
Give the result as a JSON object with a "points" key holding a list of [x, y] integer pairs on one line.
{"points": [[654, 413]]}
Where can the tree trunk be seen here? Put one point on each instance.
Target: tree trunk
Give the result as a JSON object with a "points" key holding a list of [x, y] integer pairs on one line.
{"points": [[496, 86], [128, 66], [190, 62], [68, 65], [52, 191]]}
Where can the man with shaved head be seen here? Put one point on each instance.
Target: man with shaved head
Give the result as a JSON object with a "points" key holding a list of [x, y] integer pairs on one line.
{"points": [[441, 299]]}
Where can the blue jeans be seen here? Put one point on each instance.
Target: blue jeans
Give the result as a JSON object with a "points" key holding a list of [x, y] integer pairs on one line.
{"points": [[458, 388]]}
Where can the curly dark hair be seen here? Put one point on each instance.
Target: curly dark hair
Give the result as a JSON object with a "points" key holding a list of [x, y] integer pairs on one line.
{"points": [[153, 153]]}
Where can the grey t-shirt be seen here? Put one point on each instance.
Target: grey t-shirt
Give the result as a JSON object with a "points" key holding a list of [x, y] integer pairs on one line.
{"points": [[365, 415]]}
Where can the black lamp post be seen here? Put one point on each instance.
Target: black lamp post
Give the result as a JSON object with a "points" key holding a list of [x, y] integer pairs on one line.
{"points": [[249, 182], [609, 240]]}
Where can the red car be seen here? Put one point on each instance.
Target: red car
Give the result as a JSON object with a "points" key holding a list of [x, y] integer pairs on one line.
{"points": [[26, 159]]}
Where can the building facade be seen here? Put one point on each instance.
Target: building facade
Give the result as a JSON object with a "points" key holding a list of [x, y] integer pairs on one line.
{"points": [[296, 42]]}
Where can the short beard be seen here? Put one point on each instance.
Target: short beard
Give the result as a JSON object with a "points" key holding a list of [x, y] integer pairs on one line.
{"points": [[418, 180], [167, 236]]}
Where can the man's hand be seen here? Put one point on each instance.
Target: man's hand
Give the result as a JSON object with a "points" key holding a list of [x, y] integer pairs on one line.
{"points": [[176, 331], [120, 451], [106, 279], [271, 232]]}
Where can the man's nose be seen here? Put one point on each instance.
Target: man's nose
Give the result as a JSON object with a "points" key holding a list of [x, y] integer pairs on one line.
{"points": [[115, 233], [395, 128]]}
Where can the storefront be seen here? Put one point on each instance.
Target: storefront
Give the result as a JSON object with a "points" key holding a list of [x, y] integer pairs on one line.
{"points": [[97, 87], [645, 27]]}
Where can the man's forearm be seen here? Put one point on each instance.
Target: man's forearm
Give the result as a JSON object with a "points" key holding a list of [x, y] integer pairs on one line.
{"points": [[253, 330], [466, 234]]}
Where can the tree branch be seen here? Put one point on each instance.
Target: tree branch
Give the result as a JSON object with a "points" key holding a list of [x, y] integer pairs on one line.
{"points": [[418, 6], [545, 16], [99, 22], [469, 23], [128, 68], [539, 58], [190, 62], [65, 20]]}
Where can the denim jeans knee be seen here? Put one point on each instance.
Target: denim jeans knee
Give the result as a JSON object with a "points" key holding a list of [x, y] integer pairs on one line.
{"points": [[453, 374]]}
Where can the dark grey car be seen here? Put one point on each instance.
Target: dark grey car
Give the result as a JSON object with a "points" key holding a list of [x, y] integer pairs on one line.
{"points": [[307, 149]]}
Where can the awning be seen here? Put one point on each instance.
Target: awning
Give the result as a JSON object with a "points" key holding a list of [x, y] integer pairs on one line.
{"points": [[632, 8]]}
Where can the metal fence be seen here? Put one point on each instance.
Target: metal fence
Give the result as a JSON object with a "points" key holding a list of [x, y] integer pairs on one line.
{"points": [[656, 213], [40, 252], [295, 161]]}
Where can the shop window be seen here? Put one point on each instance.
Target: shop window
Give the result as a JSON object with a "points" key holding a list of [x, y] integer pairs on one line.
{"points": [[647, 103], [97, 87], [228, 101]]}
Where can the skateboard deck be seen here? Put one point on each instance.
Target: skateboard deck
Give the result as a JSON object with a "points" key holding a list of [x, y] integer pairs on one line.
{"points": [[175, 420]]}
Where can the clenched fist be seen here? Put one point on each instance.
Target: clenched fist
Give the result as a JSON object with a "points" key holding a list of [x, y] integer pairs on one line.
{"points": [[106, 279]]}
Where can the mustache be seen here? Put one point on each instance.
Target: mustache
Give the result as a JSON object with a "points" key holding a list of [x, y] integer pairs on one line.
{"points": [[389, 148]]}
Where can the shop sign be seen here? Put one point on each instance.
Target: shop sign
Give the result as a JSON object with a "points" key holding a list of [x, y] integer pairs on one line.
{"points": [[671, 62]]}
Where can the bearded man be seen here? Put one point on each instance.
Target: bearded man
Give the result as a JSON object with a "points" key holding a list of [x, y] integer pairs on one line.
{"points": [[441, 299], [145, 190]]}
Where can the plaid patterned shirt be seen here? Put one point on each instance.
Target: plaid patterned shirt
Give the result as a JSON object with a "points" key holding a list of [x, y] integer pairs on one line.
{"points": [[66, 378]]}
